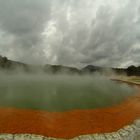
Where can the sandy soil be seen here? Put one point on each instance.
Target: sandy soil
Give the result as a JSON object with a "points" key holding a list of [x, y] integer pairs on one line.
{"points": [[72, 123]]}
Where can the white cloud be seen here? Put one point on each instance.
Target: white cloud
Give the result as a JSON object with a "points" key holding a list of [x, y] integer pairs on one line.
{"points": [[71, 32]]}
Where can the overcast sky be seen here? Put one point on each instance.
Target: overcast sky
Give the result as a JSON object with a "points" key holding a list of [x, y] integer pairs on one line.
{"points": [[71, 32]]}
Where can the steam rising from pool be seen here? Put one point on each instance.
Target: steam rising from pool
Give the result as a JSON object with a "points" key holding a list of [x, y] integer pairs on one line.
{"points": [[60, 92]]}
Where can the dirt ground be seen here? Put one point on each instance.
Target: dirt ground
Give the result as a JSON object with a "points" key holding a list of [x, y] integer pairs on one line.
{"points": [[72, 123]]}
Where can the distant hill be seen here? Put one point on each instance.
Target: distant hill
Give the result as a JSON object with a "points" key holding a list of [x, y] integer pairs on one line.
{"points": [[9, 65], [60, 69], [130, 71], [91, 68]]}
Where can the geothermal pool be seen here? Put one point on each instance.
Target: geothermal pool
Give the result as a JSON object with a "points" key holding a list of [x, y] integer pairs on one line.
{"points": [[60, 92]]}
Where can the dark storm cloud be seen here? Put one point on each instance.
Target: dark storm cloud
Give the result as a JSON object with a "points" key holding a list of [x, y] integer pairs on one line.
{"points": [[24, 21], [71, 32]]}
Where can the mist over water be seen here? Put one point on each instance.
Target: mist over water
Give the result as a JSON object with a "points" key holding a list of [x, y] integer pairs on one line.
{"points": [[60, 92]]}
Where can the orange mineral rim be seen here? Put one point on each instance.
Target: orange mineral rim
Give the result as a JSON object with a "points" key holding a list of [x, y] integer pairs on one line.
{"points": [[71, 123]]}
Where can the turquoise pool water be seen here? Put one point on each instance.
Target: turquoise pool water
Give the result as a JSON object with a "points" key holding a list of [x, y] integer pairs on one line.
{"points": [[60, 92]]}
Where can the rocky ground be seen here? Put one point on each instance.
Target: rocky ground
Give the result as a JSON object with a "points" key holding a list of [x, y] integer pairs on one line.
{"points": [[130, 132]]}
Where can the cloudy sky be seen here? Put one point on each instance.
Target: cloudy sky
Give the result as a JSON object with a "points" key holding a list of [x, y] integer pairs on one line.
{"points": [[71, 32]]}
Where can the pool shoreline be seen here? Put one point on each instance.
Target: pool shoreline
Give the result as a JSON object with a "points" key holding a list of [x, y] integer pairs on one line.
{"points": [[129, 132], [117, 117]]}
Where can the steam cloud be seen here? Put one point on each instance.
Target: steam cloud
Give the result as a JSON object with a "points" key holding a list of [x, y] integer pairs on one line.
{"points": [[71, 32], [60, 92]]}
